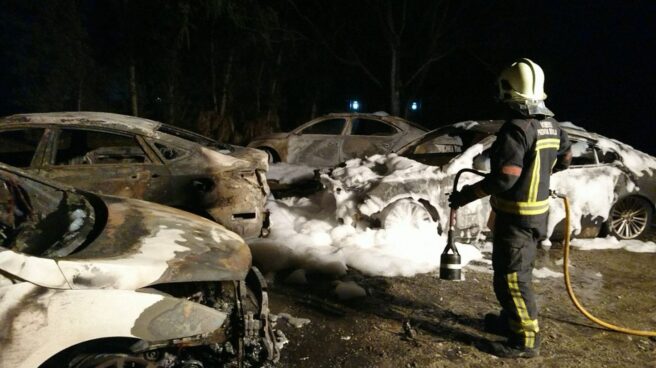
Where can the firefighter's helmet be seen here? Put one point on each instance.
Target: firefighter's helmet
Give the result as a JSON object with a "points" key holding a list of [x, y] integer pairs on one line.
{"points": [[523, 80], [522, 86]]}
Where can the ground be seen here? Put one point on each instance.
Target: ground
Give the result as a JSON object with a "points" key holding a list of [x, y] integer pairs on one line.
{"points": [[445, 317]]}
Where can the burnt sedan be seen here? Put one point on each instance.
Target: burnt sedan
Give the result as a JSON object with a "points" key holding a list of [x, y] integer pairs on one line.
{"points": [[89, 280], [624, 207], [331, 139], [611, 186], [139, 158]]}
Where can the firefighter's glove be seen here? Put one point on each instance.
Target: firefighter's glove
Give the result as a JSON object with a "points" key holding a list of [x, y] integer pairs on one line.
{"points": [[462, 197]]}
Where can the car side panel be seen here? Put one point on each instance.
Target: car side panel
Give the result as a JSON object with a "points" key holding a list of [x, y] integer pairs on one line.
{"points": [[149, 181], [41, 271], [315, 149], [355, 146], [37, 322]]}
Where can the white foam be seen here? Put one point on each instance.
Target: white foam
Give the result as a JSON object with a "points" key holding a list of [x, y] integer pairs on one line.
{"points": [[544, 272], [306, 234], [611, 242]]}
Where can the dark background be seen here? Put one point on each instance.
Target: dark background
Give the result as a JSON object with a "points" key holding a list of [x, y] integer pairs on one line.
{"points": [[233, 69]]}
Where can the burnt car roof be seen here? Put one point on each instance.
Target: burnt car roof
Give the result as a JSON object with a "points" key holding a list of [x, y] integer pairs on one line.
{"points": [[384, 117], [89, 119], [493, 126]]}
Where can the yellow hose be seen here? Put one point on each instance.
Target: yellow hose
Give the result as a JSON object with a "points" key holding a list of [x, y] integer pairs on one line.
{"points": [[578, 305]]}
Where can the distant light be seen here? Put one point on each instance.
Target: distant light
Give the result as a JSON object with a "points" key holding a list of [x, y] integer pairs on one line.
{"points": [[414, 106], [354, 105]]}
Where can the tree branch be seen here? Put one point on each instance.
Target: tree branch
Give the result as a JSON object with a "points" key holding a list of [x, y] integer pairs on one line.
{"points": [[426, 65]]}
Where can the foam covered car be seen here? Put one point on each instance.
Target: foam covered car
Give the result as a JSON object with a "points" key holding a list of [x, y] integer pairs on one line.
{"points": [[140, 158], [611, 186], [89, 280]]}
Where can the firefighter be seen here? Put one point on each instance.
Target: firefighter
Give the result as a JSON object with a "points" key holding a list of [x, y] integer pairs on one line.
{"points": [[529, 146]]}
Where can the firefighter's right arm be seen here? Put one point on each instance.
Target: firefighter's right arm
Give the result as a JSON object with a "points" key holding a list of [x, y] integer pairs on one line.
{"points": [[564, 158], [507, 156]]}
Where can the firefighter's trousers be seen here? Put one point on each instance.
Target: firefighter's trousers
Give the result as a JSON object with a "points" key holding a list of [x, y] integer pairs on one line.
{"points": [[513, 254]]}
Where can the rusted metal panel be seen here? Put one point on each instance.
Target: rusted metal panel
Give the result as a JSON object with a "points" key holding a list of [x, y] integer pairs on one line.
{"points": [[326, 150], [90, 264], [145, 244], [364, 146], [193, 179], [90, 119], [315, 150]]}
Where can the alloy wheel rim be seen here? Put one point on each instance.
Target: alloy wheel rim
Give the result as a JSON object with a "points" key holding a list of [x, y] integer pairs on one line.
{"points": [[629, 218]]}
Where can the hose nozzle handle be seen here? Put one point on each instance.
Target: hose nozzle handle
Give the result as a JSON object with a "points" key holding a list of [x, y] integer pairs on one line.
{"points": [[554, 194]]}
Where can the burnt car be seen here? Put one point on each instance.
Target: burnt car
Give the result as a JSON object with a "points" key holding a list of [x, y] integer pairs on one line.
{"points": [[140, 158], [89, 280], [611, 186], [333, 138]]}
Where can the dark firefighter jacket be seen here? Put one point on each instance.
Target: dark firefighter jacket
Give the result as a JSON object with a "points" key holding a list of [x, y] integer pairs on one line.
{"points": [[522, 158]]}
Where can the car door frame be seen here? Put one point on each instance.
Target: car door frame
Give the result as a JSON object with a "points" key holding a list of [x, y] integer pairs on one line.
{"points": [[41, 148], [292, 156], [367, 139], [155, 169]]}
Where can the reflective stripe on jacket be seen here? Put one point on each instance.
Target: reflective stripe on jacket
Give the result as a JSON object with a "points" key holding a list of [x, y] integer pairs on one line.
{"points": [[533, 145]]}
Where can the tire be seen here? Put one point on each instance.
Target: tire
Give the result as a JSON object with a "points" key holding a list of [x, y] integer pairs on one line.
{"points": [[115, 360], [406, 212], [273, 155], [630, 217]]}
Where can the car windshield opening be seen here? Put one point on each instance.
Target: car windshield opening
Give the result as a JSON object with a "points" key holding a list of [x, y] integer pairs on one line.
{"points": [[40, 220], [194, 137]]}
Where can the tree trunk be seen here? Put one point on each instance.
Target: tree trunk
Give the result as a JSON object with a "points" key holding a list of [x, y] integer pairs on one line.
{"points": [[215, 98], [272, 113], [313, 112], [80, 86], [171, 97], [395, 82], [258, 89], [133, 90], [226, 82]]}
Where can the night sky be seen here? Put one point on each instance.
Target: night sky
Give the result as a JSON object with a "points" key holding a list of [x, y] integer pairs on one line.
{"points": [[597, 57]]}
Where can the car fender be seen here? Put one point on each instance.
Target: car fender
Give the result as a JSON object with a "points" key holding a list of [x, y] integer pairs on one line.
{"points": [[37, 323], [277, 143], [40, 271]]}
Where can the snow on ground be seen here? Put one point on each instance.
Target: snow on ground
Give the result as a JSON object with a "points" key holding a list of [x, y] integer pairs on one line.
{"points": [[305, 234]]}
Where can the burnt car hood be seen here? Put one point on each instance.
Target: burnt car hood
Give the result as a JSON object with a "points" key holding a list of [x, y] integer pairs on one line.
{"points": [[260, 158], [241, 158], [143, 244]]}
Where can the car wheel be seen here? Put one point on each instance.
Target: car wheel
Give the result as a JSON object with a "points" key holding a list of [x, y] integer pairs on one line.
{"points": [[630, 217], [111, 361], [406, 213], [273, 156]]}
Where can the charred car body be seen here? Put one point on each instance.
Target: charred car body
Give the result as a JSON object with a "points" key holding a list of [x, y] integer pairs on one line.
{"points": [[331, 139], [612, 187], [88, 280], [144, 159]]}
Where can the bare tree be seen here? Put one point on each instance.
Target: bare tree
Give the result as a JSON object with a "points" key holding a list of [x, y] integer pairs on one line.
{"points": [[415, 36]]}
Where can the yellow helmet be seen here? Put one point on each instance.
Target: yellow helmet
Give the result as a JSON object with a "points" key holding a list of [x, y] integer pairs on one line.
{"points": [[522, 81]]}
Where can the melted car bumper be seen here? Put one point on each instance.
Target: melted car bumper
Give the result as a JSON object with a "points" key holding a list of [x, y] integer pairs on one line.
{"points": [[238, 202]]}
